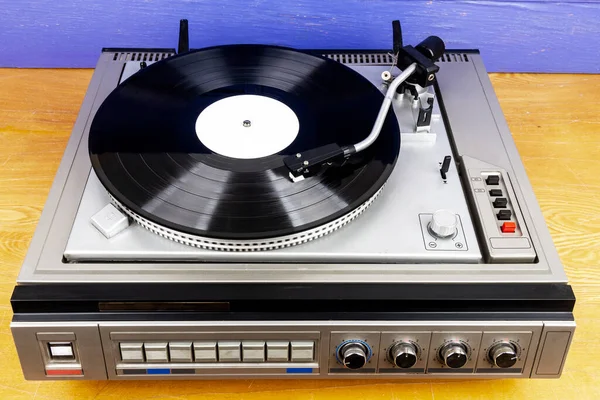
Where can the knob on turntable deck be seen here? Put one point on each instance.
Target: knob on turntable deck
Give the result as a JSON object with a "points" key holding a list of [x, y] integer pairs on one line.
{"points": [[147, 152]]}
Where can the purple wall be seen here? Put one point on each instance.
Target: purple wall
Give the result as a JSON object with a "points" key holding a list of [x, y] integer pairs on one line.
{"points": [[524, 35]]}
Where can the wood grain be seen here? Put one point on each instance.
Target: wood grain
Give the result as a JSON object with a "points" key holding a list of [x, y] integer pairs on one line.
{"points": [[556, 126], [514, 35]]}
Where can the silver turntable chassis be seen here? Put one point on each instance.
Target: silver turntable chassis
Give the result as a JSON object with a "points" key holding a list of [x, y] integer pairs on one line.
{"points": [[503, 310]]}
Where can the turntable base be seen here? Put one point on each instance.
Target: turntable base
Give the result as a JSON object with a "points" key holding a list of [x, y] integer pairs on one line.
{"points": [[417, 250], [45, 103]]}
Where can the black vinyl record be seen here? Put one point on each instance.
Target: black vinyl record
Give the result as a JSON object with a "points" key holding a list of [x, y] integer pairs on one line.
{"points": [[146, 151]]}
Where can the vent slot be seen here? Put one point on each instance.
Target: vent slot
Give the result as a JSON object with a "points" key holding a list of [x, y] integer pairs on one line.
{"points": [[344, 58], [140, 56], [386, 59], [361, 58], [453, 57]]}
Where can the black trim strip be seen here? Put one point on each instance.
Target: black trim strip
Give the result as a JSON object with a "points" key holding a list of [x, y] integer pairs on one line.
{"points": [[451, 371], [352, 371], [293, 291], [296, 298]]}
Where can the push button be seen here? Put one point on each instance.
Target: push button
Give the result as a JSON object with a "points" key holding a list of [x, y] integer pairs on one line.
{"points": [[230, 351], [508, 227], [504, 215], [500, 202], [496, 192], [180, 351], [156, 352], [61, 350], [205, 351], [132, 352], [253, 351], [303, 351], [278, 351], [492, 180]]}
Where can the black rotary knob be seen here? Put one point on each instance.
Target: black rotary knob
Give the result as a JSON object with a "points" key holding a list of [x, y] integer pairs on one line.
{"points": [[503, 355], [454, 355], [403, 355], [354, 355]]}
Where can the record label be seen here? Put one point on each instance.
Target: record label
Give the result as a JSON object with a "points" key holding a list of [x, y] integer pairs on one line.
{"points": [[247, 126]]}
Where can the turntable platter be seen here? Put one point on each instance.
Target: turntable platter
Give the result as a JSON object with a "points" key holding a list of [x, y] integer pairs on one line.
{"points": [[195, 143]]}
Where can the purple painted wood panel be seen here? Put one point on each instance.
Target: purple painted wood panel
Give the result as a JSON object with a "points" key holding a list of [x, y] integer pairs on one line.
{"points": [[524, 35]]}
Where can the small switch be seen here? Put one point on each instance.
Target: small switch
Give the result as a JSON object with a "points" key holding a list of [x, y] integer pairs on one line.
{"points": [[132, 352], [500, 202], [445, 166], [61, 350], [509, 227], [278, 351], [110, 221], [493, 180], [303, 351], [205, 351], [230, 351], [156, 352], [496, 192], [180, 351], [504, 215], [253, 351]]}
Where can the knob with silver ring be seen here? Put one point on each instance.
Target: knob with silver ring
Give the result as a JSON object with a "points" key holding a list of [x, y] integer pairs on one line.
{"points": [[353, 354], [503, 355], [443, 224], [403, 354], [454, 355]]}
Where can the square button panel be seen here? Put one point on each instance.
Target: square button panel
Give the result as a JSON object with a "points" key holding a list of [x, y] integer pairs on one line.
{"points": [[420, 340], [371, 339], [180, 351], [470, 341], [519, 341], [132, 352], [253, 351], [230, 351], [156, 352], [302, 351], [278, 351], [61, 350], [205, 351]]}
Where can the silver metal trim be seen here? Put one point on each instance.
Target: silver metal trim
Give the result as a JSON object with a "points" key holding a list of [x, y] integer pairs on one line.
{"points": [[53, 229], [327, 336]]}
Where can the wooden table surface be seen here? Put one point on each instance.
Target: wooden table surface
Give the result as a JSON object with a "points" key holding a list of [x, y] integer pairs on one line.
{"points": [[555, 121]]}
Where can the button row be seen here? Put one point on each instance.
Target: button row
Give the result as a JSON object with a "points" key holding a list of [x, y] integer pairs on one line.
{"points": [[222, 351], [501, 203]]}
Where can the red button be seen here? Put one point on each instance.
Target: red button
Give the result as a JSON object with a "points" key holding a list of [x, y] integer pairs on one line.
{"points": [[64, 372], [508, 227]]}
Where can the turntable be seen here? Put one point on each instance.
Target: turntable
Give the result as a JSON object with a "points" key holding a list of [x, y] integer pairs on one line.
{"points": [[258, 211]]}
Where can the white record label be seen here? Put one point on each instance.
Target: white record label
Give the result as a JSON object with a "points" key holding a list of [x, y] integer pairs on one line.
{"points": [[247, 126]]}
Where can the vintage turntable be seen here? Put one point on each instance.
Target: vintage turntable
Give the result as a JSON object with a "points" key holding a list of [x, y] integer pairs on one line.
{"points": [[258, 211]]}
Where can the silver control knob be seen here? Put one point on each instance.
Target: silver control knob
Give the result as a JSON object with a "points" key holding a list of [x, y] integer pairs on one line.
{"points": [[354, 355], [443, 223], [503, 355], [403, 355], [454, 355]]}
